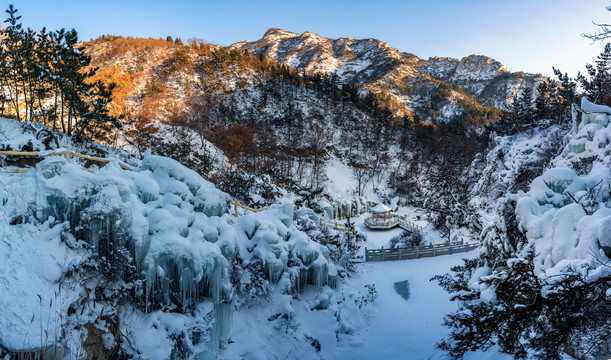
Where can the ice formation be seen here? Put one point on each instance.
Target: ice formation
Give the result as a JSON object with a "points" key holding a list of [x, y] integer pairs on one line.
{"points": [[340, 209], [272, 238], [162, 222], [513, 162], [565, 215]]}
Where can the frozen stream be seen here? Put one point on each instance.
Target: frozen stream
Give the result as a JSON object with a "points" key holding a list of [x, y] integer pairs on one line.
{"points": [[400, 328]]}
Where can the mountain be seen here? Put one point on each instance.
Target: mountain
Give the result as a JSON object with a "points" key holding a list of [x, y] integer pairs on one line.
{"points": [[353, 61], [152, 73], [304, 99], [381, 68], [481, 77]]}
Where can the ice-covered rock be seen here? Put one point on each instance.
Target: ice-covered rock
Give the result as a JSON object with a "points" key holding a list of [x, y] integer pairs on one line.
{"points": [[161, 226], [343, 208], [566, 213]]}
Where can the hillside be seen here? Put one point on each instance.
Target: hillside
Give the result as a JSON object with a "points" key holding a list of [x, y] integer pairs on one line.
{"points": [[481, 77], [544, 257], [438, 89]]}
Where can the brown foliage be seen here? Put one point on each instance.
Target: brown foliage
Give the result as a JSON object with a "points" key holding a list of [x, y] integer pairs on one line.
{"points": [[234, 141], [123, 90], [141, 131]]}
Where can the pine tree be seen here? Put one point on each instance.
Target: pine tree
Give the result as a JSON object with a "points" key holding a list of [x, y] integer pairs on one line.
{"points": [[567, 94], [45, 77], [598, 86], [11, 44], [543, 102], [522, 107]]}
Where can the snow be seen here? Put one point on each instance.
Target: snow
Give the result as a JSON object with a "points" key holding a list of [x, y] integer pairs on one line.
{"points": [[33, 261], [559, 228], [389, 327], [381, 208], [563, 220], [154, 334], [510, 157], [589, 107], [173, 223], [349, 326], [184, 241], [399, 327], [341, 181]]}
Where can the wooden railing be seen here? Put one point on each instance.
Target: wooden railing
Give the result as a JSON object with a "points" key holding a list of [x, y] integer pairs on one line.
{"points": [[237, 205], [67, 154], [418, 252], [337, 226]]}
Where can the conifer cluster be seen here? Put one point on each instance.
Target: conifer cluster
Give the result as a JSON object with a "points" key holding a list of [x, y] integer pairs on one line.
{"points": [[45, 77]]}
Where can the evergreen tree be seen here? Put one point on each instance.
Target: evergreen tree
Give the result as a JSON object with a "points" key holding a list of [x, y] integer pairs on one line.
{"points": [[567, 94], [522, 107], [46, 77], [598, 86], [543, 102], [13, 59]]}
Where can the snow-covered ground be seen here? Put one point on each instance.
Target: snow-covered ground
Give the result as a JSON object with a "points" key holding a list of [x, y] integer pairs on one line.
{"points": [[363, 318], [392, 327], [399, 328], [389, 327]]}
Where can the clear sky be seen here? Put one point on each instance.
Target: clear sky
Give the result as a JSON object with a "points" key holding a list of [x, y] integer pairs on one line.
{"points": [[524, 35]]}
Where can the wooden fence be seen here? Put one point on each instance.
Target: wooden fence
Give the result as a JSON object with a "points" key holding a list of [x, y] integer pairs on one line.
{"points": [[237, 205], [66, 153], [417, 252], [337, 226]]}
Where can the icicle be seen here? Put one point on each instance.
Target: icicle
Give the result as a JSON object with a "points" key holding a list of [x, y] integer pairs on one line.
{"points": [[223, 315]]}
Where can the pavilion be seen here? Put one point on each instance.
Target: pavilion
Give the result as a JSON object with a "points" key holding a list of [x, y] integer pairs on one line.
{"points": [[381, 218]]}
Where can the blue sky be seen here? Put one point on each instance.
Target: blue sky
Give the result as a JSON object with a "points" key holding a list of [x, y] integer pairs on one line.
{"points": [[524, 35]]}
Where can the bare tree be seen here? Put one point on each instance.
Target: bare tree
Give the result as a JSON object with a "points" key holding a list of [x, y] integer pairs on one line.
{"points": [[603, 32], [362, 173]]}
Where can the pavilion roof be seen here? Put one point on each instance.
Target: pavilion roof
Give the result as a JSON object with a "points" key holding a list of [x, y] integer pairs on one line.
{"points": [[381, 208]]}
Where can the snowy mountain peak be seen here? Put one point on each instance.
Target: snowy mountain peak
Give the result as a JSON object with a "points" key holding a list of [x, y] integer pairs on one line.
{"points": [[469, 68], [482, 77], [375, 64], [481, 65], [275, 32]]}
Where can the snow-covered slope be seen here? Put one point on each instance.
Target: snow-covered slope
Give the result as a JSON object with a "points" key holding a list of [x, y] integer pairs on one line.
{"points": [[374, 63], [541, 284], [565, 214], [353, 61], [112, 245], [512, 162]]}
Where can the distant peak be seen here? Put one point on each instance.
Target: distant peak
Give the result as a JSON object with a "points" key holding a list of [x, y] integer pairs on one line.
{"points": [[482, 61], [308, 33], [277, 32], [442, 58]]}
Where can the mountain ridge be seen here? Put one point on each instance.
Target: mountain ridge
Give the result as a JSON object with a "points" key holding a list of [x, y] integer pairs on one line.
{"points": [[364, 61]]}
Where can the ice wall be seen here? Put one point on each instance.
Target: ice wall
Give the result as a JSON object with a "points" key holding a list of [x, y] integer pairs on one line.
{"points": [[341, 209], [566, 214], [271, 237], [162, 224]]}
